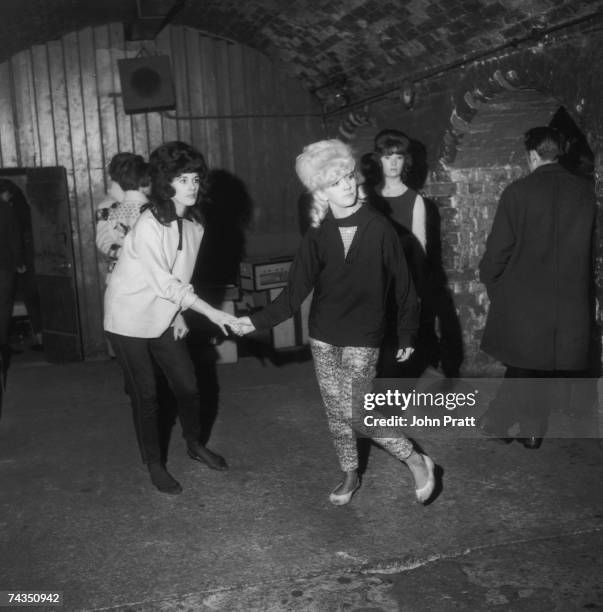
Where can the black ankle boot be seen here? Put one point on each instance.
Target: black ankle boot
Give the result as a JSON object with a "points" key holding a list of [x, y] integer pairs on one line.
{"points": [[163, 480], [531, 442], [200, 453]]}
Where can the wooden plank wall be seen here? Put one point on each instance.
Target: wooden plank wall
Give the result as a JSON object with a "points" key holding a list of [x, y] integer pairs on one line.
{"points": [[63, 106]]}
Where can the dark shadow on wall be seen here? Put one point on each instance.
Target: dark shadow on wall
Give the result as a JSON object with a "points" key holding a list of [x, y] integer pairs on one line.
{"points": [[227, 213], [417, 175], [438, 299], [446, 348]]}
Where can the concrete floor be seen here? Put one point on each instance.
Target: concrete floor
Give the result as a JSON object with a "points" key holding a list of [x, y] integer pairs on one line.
{"points": [[512, 529]]}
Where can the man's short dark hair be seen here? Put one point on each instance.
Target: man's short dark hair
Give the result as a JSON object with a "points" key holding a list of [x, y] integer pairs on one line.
{"points": [[546, 141], [129, 171]]}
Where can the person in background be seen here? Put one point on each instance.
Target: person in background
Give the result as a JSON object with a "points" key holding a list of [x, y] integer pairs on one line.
{"points": [[129, 186], [404, 205], [148, 289], [26, 286], [116, 214], [11, 262], [349, 256], [386, 172], [538, 271]]}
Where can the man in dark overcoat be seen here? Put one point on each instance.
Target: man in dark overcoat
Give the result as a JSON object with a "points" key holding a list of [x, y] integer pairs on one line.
{"points": [[538, 269]]}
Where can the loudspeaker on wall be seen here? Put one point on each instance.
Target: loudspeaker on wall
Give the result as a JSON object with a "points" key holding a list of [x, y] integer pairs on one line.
{"points": [[146, 84]]}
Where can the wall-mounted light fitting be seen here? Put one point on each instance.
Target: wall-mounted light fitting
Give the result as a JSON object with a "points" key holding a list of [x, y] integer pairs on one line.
{"points": [[408, 93], [332, 95]]}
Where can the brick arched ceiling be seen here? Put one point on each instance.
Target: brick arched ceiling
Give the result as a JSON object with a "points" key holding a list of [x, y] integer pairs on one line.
{"points": [[495, 135], [370, 43]]}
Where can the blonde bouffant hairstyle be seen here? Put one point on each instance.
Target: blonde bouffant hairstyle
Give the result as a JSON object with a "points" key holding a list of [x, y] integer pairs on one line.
{"points": [[319, 165]]}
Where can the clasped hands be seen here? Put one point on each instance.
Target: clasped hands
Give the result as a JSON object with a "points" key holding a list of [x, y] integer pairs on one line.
{"points": [[242, 326], [224, 320], [229, 323]]}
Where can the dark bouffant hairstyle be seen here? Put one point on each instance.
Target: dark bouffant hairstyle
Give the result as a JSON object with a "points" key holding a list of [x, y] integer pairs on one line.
{"points": [[393, 142], [167, 162], [546, 141], [129, 171]]}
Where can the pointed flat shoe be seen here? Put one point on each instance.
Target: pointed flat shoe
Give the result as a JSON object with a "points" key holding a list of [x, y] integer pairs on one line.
{"points": [[426, 491], [341, 499]]}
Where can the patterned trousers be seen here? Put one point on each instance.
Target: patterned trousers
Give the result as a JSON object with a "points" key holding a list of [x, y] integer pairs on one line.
{"points": [[345, 374]]}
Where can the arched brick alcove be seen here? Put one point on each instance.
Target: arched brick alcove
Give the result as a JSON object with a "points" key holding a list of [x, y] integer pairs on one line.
{"points": [[490, 157], [561, 72], [492, 105]]}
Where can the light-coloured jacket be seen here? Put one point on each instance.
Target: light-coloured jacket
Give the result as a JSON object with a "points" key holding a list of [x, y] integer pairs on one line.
{"points": [[150, 283]]}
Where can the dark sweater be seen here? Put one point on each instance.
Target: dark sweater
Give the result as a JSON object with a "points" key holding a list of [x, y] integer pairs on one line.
{"points": [[349, 302]]}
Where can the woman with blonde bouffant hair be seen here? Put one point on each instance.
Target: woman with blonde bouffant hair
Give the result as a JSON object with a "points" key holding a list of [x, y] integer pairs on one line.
{"points": [[349, 256]]}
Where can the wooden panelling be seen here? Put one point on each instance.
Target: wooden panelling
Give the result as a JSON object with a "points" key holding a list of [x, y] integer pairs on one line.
{"points": [[61, 105], [43, 106], [8, 146]]}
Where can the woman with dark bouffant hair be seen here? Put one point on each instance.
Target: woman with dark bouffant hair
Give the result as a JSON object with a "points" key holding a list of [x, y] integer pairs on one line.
{"points": [[167, 162], [406, 206], [147, 292]]}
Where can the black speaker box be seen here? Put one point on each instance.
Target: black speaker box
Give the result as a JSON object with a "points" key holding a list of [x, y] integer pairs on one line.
{"points": [[146, 84]]}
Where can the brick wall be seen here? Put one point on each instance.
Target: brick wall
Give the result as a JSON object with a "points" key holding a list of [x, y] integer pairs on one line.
{"points": [[466, 199]]}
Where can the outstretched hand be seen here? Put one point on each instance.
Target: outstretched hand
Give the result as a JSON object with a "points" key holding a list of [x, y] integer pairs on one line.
{"points": [[242, 326], [404, 354], [222, 319]]}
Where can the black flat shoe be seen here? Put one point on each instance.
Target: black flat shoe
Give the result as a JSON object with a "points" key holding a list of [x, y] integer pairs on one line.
{"points": [[503, 441], [212, 460], [163, 480], [490, 435], [532, 442], [482, 427]]}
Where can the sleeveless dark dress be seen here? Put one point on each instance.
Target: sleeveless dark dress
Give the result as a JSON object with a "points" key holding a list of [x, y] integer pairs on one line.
{"points": [[402, 207]]}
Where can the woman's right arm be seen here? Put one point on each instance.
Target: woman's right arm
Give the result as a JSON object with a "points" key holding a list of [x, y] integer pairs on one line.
{"points": [[216, 316], [146, 241]]}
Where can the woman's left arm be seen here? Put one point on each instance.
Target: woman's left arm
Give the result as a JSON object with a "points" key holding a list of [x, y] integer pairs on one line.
{"points": [[419, 221], [406, 297], [146, 243], [180, 327]]}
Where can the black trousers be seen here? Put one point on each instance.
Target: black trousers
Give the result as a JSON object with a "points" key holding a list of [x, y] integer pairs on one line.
{"points": [[524, 398], [135, 356]]}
